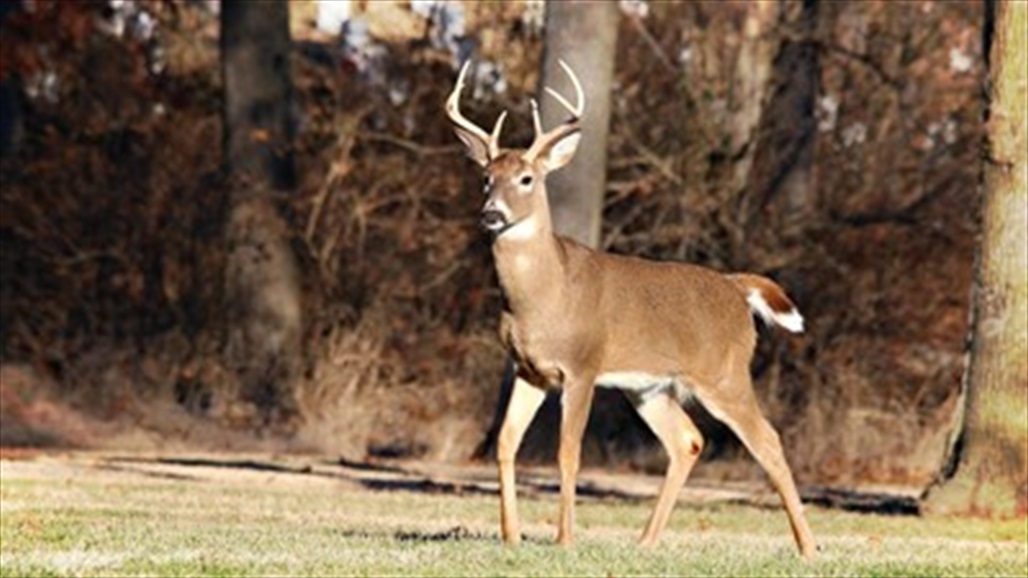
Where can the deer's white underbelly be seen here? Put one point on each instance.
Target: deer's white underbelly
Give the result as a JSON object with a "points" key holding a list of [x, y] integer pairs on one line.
{"points": [[643, 386]]}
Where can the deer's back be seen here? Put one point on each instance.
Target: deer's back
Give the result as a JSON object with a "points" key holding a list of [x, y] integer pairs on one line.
{"points": [[670, 317]]}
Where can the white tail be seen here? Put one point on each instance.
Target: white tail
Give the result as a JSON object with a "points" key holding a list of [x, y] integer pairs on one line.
{"points": [[575, 318], [769, 302]]}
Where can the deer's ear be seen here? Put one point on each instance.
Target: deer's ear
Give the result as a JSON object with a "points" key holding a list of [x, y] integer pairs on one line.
{"points": [[561, 151], [476, 149]]}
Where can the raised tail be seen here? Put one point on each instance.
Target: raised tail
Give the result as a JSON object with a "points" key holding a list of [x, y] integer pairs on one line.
{"points": [[769, 301]]}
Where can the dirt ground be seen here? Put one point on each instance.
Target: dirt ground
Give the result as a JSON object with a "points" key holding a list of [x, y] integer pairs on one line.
{"points": [[297, 470], [39, 430]]}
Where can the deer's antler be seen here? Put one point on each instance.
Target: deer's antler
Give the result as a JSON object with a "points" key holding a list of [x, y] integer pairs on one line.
{"points": [[482, 146], [572, 124]]}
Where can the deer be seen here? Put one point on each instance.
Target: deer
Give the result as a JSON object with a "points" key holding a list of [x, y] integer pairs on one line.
{"points": [[575, 318]]}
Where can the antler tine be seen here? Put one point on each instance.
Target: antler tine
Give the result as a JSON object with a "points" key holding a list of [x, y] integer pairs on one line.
{"points": [[453, 107], [544, 139], [491, 142], [536, 120], [576, 111], [494, 139]]}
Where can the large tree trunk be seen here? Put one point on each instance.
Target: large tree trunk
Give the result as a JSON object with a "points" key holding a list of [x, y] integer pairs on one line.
{"points": [[583, 34], [991, 452], [749, 88], [782, 183], [11, 116], [258, 90], [262, 285]]}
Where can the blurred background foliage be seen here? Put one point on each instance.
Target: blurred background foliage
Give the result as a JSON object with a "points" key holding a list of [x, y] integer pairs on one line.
{"points": [[845, 166]]}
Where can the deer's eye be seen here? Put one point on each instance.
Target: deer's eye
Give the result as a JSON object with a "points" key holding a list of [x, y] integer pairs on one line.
{"points": [[526, 180], [487, 183]]}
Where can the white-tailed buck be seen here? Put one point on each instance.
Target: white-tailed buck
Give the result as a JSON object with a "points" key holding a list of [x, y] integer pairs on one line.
{"points": [[575, 318]]}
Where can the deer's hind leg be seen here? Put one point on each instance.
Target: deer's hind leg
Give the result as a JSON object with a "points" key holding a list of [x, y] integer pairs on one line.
{"points": [[683, 443], [735, 404]]}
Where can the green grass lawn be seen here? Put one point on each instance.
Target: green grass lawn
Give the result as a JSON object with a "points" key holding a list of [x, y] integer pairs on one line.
{"points": [[59, 521]]}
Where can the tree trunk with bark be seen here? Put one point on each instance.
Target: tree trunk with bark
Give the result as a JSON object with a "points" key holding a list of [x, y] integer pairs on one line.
{"points": [[783, 178], [989, 461], [750, 87], [11, 114], [583, 34], [262, 282]]}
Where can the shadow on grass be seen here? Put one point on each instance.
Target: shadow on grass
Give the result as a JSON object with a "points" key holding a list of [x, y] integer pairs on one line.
{"points": [[388, 477], [400, 480], [454, 534]]}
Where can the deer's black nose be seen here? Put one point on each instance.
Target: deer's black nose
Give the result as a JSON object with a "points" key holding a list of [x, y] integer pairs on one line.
{"points": [[493, 220]]}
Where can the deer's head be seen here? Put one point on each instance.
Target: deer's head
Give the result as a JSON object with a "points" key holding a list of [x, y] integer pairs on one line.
{"points": [[515, 179]]}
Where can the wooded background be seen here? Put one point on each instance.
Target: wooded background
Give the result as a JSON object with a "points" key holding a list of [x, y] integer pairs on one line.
{"points": [[178, 268]]}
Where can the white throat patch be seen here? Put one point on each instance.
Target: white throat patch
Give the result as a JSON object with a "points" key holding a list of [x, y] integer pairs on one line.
{"points": [[522, 230]]}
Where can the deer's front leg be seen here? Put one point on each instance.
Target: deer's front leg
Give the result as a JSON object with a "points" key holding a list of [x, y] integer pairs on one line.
{"points": [[575, 403], [525, 400]]}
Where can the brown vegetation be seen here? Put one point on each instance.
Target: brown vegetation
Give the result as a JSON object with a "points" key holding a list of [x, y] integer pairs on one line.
{"points": [[113, 211]]}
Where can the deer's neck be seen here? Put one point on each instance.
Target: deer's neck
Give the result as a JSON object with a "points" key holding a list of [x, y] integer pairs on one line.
{"points": [[530, 268]]}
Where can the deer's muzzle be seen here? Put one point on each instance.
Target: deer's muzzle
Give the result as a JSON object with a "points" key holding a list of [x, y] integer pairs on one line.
{"points": [[493, 220]]}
